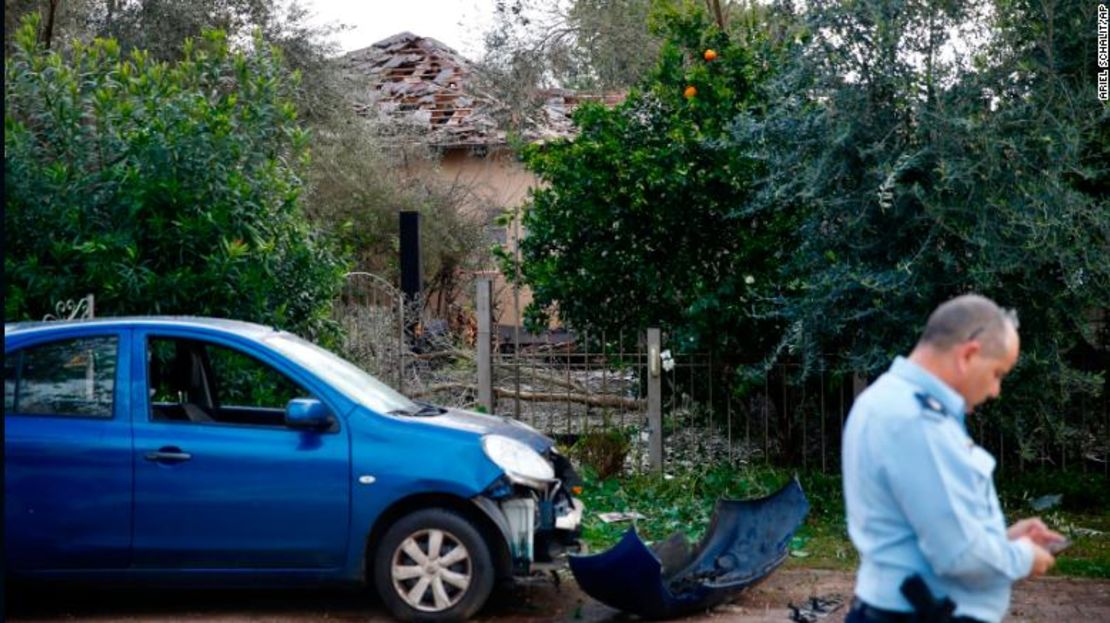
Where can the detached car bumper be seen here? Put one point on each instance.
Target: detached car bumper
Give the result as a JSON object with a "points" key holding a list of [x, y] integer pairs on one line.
{"points": [[746, 541]]}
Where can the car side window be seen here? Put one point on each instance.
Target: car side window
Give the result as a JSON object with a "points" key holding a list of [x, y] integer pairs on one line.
{"points": [[70, 378], [203, 382]]}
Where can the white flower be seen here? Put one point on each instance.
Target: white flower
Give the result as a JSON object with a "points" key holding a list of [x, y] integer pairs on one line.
{"points": [[748, 279]]}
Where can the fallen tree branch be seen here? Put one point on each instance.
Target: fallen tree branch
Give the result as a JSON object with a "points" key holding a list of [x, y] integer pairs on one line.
{"points": [[441, 354], [442, 387], [593, 400], [530, 375]]}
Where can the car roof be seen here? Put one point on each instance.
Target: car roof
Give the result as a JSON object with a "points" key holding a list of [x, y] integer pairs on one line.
{"points": [[239, 327]]}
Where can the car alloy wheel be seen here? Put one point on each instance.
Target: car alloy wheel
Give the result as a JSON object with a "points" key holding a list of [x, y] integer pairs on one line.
{"points": [[431, 570], [433, 565]]}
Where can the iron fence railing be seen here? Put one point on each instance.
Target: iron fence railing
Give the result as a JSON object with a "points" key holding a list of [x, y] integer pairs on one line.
{"points": [[582, 384]]}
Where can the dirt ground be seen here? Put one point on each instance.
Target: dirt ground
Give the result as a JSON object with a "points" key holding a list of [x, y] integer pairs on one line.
{"points": [[539, 599]]}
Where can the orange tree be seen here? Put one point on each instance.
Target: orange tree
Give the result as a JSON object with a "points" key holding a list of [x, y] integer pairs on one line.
{"points": [[641, 219]]}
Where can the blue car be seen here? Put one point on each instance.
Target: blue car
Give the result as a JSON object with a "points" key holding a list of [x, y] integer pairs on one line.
{"points": [[203, 452]]}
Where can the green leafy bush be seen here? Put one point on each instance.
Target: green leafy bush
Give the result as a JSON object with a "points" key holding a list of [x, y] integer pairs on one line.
{"points": [[603, 451], [161, 188]]}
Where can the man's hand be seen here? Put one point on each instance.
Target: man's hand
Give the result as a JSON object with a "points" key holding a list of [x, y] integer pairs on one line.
{"points": [[1036, 531], [1042, 561]]}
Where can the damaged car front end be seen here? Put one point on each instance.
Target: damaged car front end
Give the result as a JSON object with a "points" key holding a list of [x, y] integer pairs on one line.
{"points": [[482, 499], [533, 504]]}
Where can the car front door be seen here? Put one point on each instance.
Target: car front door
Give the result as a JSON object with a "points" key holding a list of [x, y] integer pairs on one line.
{"points": [[220, 481], [67, 454]]}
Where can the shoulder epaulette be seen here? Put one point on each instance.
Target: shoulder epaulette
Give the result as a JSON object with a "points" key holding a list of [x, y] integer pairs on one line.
{"points": [[929, 403]]}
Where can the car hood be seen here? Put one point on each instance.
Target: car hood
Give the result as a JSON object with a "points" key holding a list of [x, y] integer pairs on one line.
{"points": [[482, 424]]}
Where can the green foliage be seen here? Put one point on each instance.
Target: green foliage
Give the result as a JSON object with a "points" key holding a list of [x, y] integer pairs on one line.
{"points": [[602, 45], [684, 502], [160, 28], [357, 187], [603, 451], [1080, 492], [247, 382], [628, 229], [588, 45], [1081, 515], [613, 44], [162, 188], [839, 172], [919, 179]]}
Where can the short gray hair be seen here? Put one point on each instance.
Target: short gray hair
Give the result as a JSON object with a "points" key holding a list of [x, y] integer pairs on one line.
{"points": [[969, 317]]}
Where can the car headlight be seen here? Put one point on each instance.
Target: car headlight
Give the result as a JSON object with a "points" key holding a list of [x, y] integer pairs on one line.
{"points": [[521, 463]]}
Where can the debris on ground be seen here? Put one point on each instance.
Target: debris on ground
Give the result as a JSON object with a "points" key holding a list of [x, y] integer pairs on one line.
{"points": [[615, 517], [746, 541], [1046, 502], [816, 608]]}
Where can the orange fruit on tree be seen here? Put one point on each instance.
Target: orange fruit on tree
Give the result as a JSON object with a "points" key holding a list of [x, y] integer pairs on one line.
{"points": [[690, 92], [710, 54]]}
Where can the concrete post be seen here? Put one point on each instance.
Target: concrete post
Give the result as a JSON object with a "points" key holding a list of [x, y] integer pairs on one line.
{"points": [[485, 341], [655, 401]]}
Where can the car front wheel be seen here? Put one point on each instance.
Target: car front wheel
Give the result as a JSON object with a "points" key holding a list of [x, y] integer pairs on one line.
{"points": [[433, 565]]}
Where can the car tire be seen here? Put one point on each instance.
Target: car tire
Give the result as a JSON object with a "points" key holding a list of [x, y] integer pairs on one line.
{"points": [[414, 582]]}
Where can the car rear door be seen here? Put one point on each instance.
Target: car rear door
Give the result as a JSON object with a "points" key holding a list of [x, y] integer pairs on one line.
{"points": [[220, 481], [67, 451]]}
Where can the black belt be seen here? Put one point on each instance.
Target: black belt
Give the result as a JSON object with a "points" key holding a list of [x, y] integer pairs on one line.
{"points": [[878, 615]]}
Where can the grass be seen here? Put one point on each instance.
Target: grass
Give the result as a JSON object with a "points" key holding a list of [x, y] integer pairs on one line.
{"points": [[684, 502], [1089, 554]]}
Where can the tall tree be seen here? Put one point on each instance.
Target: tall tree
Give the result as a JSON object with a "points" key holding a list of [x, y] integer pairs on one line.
{"points": [[59, 20], [923, 165], [160, 28], [580, 44]]}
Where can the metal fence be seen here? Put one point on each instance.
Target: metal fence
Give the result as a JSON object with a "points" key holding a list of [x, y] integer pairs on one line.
{"points": [[674, 410], [371, 313], [574, 385], [71, 309], [584, 385], [578, 385]]}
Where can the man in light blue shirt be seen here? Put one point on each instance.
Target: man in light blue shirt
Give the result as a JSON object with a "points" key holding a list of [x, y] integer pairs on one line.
{"points": [[919, 492]]}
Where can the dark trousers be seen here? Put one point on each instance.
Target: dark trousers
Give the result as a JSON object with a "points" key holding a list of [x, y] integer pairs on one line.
{"points": [[861, 612]]}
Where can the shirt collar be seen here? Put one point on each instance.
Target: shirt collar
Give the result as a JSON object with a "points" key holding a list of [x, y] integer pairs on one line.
{"points": [[954, 403]]}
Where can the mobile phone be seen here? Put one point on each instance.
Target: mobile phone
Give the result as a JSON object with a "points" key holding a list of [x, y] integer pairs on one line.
{"points": [[1055, 547]]}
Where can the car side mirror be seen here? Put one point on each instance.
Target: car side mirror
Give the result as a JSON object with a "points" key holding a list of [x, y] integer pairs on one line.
{"points": [[307, 414]]}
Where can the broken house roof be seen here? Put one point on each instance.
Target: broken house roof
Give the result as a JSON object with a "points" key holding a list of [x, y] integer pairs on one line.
{"points": [[426, 84]]}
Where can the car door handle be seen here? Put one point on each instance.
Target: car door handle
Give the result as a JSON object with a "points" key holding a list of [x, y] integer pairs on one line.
{"points": [[168, 455]]}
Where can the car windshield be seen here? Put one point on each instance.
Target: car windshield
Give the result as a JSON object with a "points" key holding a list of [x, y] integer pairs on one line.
{"points": [[342, 374]]}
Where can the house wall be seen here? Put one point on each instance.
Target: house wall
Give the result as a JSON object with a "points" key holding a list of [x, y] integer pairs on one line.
{"points": [[495, 181]]}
